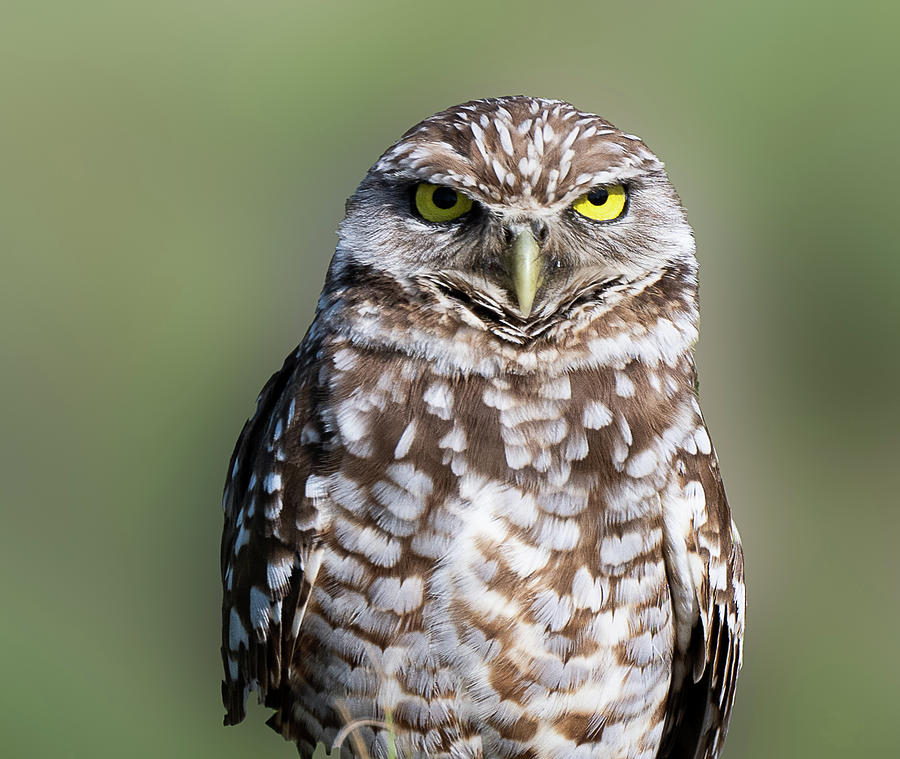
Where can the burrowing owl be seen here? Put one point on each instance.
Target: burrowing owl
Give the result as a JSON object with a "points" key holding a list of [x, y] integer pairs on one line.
{"points": [[480, 500]]}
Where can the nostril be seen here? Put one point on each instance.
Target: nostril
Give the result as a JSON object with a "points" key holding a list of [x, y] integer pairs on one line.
{"points": [[536, 227], [539, 230]]}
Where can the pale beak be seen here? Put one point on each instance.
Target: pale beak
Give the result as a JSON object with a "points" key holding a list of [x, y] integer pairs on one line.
{"points": [[524, 265]]}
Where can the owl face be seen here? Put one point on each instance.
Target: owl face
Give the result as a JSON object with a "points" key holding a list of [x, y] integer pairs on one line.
{"points": [[518, 201]]}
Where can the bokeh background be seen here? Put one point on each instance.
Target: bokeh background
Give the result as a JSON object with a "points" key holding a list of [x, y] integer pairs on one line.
{"points": [[171, 175]]}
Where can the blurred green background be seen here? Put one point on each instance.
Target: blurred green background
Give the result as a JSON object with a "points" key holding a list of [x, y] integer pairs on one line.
{"points": [[171, 175]]}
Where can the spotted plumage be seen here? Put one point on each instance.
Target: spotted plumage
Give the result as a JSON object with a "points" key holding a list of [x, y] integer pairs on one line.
{"points": [[500, 525]]}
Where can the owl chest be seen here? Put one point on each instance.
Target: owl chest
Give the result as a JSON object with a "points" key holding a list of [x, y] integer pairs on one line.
{"points": [[488, 537], [480, 503], [540, 577], [512, 475]]}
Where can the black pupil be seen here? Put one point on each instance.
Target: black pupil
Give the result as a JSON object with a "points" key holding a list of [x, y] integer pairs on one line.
{"points": [[598, 197], [444, 198]]}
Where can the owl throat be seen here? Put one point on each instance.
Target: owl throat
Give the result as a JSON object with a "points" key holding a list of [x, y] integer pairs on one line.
{"points": [[494, 312], [470, 328]]}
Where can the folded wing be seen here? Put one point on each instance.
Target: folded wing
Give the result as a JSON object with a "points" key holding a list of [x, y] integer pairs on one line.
{"points": [[269, 557], [705, 569]]}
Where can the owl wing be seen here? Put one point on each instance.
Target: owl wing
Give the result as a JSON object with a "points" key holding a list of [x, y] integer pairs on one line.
{"points": [[269, 557], [705, 568]]}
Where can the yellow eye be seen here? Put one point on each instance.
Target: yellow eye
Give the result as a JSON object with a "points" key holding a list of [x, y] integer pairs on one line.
{"points": [[435, 202], [602, 203]]}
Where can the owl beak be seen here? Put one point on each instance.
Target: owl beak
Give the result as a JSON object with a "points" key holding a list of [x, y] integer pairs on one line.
{"points": [[524, 266]]}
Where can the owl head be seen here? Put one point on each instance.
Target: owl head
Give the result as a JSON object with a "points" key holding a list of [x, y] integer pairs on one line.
{"points": [[517, 202]]}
